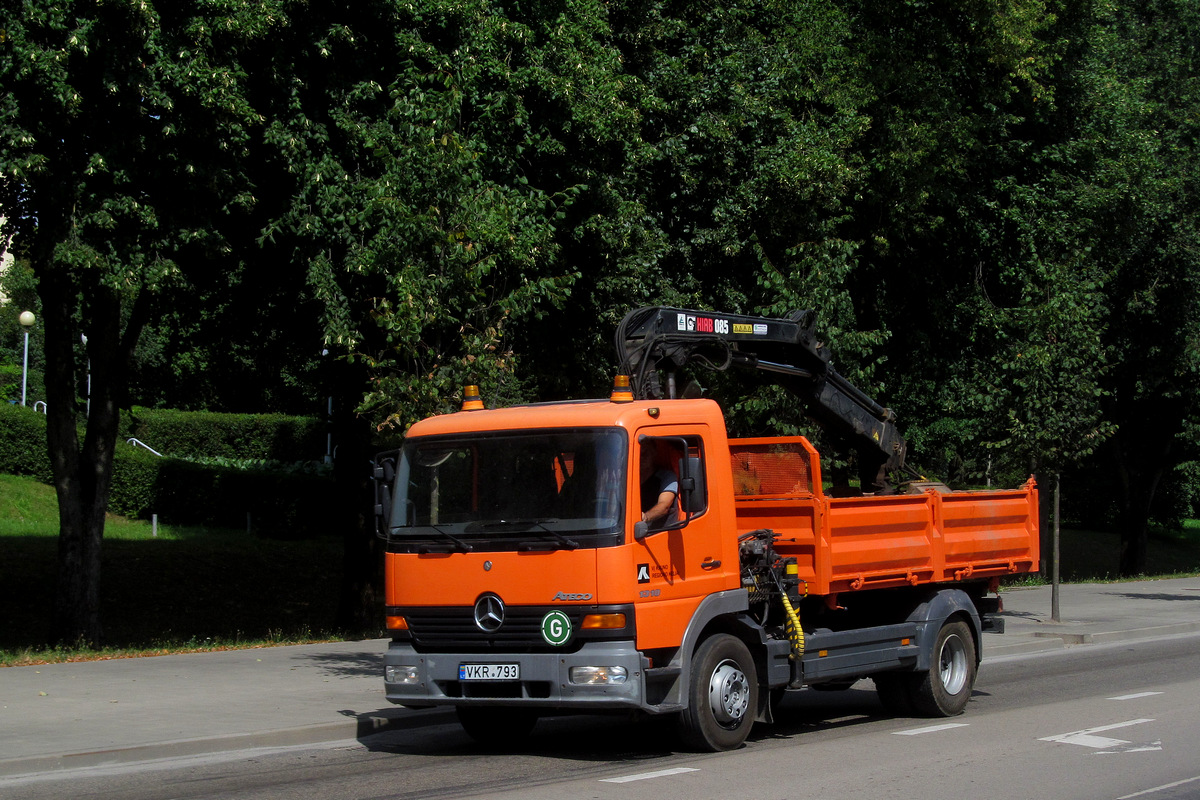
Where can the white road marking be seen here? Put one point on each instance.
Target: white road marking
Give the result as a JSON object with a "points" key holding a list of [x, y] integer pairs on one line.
{"points": [[1087, 738], [931, 729], [643, 776], [1158, 789], [1127, 747], [1137, 696]]}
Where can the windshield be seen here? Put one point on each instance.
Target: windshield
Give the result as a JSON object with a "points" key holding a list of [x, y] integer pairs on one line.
{"points": [[527, 490]]}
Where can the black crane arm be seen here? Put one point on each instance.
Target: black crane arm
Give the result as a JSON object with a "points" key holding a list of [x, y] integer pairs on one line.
{"points": [[654, 339]]}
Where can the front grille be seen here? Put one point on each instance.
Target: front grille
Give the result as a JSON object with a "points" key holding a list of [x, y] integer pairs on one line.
{"points": [[453, 629]]}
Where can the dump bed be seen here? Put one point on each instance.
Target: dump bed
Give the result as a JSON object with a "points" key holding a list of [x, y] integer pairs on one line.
{"points": [[850, 543]]}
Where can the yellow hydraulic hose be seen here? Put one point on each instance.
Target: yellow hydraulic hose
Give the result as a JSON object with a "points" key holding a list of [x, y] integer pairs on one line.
{"points": [[794, 631]]}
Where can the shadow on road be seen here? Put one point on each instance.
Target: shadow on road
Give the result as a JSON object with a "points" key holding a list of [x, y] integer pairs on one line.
{"points": [[1154, 596], [620, 737], [349, 665]]}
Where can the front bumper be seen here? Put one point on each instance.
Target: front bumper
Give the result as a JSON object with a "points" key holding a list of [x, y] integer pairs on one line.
{"points": [[544, 679]]}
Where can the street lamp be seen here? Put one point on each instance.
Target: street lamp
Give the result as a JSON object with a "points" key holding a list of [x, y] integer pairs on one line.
{"points": [[83, 338], [26, 319]]}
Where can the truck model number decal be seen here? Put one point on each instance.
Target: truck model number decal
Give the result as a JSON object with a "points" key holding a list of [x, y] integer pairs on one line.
{"points": [[687, 322]]}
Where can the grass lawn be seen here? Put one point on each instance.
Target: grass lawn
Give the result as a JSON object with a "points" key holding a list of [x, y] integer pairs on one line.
{"points": [[185, 587]]}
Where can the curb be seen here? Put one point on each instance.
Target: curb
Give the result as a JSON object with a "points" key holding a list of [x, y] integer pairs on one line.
{"points": [[1042, 641]]}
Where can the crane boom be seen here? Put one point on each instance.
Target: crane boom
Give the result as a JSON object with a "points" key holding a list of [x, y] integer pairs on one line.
{"points": [[657, 338]]}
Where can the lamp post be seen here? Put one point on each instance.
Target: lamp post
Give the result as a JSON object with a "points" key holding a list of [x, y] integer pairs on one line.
{"points": [[83, 338], [26, 319]]}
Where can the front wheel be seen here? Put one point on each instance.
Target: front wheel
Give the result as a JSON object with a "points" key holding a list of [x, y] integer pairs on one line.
{"points": [[722, 695], [946, 688]]}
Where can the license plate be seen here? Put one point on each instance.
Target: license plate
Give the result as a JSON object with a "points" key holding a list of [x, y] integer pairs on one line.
{"points": [[489, 672]]}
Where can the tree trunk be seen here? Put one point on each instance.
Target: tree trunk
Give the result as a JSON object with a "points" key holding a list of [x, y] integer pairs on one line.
{"points": [[76, 618], [82, 476], [1139, 480], [1134, 544]]}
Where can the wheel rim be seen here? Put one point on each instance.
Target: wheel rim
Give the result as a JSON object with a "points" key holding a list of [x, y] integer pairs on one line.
{"points": [[953, 665], [728, 693]]}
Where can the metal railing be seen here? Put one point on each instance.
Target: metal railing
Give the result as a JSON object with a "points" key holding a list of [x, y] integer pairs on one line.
{"points": [[140, 443]]}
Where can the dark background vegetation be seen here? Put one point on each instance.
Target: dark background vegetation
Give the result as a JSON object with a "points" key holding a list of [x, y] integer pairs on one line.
{"points": [[271, 206]]}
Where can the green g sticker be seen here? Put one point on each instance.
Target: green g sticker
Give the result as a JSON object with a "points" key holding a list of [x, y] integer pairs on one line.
{"points": [[556, 628]]}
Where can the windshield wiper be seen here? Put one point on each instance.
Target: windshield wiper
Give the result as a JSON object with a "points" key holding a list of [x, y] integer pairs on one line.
{"points": [[466, 548], [570, 544]]}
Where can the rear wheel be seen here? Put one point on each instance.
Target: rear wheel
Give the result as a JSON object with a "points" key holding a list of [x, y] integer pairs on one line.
{"points": [[496, 727], [946, 688], [723, 695]]}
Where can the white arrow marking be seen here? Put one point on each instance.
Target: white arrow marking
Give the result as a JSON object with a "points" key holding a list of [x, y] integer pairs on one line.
{"points": [[1087, 737], [1133, 748]]}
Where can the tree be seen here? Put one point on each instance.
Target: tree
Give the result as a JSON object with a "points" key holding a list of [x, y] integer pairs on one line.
{"points": [[954, 91], [1129, 179], [120, 130], [403, 140], [718, 173]]}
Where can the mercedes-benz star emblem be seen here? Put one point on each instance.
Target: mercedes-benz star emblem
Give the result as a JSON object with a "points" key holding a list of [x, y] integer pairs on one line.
{"points": [[489, 613]]}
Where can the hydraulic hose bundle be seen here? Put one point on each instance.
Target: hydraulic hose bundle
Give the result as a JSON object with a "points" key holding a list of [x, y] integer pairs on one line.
{"points": [[766, 575]]}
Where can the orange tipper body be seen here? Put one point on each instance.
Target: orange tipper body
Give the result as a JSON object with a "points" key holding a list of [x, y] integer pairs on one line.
{"points": [[852, 543], [522, 580]]}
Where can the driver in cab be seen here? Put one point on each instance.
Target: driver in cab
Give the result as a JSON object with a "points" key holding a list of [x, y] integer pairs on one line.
{"points": [[660, 488]]}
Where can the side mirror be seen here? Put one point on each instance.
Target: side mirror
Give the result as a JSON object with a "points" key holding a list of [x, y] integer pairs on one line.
{"points": [[692, 487], [640, 529], [382, 475]]}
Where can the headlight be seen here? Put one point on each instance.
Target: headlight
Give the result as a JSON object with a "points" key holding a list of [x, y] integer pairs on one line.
{"points": [[404, 673], [598, 676]]}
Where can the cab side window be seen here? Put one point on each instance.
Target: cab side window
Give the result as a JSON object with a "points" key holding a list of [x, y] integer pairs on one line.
{"points": [[672, 480]]}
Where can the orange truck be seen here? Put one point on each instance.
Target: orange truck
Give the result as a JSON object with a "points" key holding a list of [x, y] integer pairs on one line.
{"points": [[526, 574]]}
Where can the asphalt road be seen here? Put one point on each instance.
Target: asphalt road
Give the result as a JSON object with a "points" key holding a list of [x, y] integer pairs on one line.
{"points": [[1106, 721]]}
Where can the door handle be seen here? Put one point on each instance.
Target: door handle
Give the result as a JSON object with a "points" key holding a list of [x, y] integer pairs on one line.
{"points": [[709, 563]]}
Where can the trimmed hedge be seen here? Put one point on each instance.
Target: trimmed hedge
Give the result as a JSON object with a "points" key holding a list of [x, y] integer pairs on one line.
{"points": [[23, 442], [281, 504], [202, 434], [284, 503]]}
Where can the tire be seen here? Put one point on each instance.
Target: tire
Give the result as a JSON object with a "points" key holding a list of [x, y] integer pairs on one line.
{"points": [[722, 695], [497, 727], [945, 689]]}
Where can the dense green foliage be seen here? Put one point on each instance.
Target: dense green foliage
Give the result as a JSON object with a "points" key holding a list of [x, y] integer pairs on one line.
{"points": [[259, 204]]}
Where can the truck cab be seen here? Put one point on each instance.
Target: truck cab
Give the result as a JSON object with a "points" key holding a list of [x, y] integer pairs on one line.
{"points": [[520, 571]]}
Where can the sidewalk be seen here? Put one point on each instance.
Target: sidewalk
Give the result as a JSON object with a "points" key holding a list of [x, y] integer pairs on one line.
{"points": [[1095, 613], [62, 716]]}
